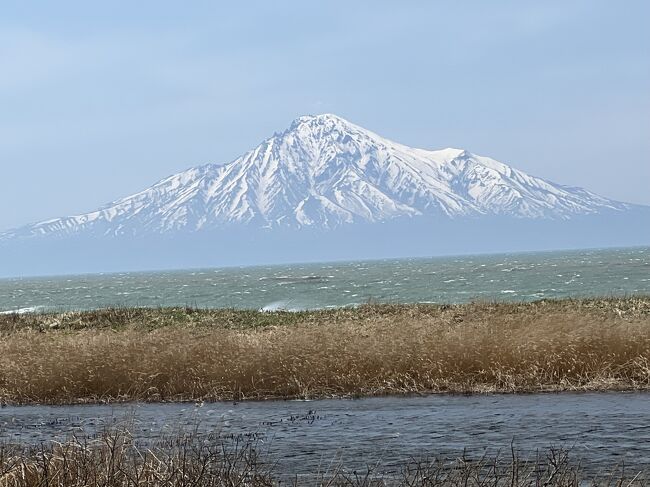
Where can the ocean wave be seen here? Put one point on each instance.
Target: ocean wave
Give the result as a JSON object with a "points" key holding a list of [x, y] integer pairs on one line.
{"points": [[21, 311], [282, 305], [295, 279]]}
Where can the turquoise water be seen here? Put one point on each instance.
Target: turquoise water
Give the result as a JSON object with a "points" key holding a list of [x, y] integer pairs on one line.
{"points": [[511, 277]]}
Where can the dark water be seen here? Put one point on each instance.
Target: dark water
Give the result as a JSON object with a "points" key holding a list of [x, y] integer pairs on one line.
{"points": [[517, 277], [603, 429]]}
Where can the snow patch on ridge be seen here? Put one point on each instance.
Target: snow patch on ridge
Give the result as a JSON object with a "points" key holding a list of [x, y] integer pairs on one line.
{"points": [[324, 171]]}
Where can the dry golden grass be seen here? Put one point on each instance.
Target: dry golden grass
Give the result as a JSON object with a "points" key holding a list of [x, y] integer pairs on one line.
{"points": [[114, 460], [187, 354]]}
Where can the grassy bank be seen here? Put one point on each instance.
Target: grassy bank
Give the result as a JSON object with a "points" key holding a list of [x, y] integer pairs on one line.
{"points": [[114, 460], [189, 354]]}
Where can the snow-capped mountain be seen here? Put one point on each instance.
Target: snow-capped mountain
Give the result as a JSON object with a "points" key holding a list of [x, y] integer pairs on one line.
{"points": [[323, 172]]}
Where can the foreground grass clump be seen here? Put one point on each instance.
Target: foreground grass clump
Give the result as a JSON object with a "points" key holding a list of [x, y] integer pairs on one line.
{"points": [[115, 461], [189, 354]]}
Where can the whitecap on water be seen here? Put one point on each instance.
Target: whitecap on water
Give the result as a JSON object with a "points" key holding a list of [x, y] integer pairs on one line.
{"points": [[282, 305], [20, 311]]}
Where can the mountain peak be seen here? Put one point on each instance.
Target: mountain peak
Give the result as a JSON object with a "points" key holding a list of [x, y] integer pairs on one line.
{"points": [[323, 123], [324, 171], [319, 116]]}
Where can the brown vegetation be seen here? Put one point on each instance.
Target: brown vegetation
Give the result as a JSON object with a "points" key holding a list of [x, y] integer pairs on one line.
{"points": [[189, 354], [114, 460]]}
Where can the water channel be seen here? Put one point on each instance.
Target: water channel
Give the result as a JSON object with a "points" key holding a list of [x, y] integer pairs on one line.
{"points": [[601, 429]]}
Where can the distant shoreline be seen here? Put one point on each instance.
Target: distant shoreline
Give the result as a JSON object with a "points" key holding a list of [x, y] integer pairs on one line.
{"points": [[186, 354]]}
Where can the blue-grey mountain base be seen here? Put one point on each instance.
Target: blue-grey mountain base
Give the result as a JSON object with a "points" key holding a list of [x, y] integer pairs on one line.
{"points": [[326, 189]]}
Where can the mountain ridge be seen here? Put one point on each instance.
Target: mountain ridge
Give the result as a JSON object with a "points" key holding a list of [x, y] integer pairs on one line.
{"points": [[326, 172]]}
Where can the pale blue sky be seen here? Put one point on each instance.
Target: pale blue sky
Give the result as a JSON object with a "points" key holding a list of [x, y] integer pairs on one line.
{"points": [[97, 102]]}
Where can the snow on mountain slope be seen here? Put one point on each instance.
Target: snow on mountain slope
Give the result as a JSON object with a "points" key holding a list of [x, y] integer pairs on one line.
{"points": [[324, 171]]}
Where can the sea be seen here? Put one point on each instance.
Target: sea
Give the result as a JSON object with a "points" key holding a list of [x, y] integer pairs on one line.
{"points": [[457, 279]]}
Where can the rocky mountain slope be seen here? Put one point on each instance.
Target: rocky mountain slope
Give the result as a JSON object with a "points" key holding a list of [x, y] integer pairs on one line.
{"points": [[324, 172]]}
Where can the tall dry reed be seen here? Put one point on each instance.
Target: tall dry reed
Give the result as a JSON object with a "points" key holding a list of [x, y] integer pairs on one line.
{"points": [[114, 460], [187, 354]]}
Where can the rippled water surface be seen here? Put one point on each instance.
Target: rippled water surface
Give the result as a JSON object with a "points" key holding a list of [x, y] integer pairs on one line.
{"points": [[603, 429], [518, 277]]}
